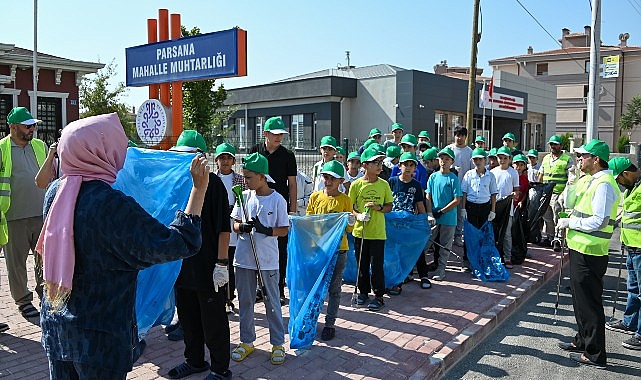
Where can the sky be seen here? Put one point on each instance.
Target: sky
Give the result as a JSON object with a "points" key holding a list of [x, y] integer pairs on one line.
{"points": [[288, 38]]}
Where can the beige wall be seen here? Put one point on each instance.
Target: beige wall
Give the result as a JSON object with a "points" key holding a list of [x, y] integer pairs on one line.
{"points": [[566, 67], [570, 115], [564, 91]]}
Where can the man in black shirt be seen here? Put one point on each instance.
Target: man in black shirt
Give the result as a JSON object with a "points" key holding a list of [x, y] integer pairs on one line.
{"points": [[283, 170]]}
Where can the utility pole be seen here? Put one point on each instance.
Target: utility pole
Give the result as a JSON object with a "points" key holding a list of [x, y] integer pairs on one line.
{"points": [[592, 121], [34, 100], [471, 85]]}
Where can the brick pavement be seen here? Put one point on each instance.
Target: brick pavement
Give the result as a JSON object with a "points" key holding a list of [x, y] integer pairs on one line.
{"points": [[417, 335]]}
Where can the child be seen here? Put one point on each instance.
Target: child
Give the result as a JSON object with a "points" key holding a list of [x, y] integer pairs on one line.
{"points": [[328, 151], [340, 154], [430, 160], [354, 167], [327, 201], [408, 195], [507, 183], [492, 159], [267, 212], [533, 166], [409, 144], [519, 163], [443, 196], [371, 197], [392, 154]]}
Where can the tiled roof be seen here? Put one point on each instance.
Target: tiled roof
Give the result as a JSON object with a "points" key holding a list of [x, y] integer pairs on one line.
{"points": [[570, 50], [366, 72]]}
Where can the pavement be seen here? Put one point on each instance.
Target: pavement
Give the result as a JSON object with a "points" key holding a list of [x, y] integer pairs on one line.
{"points": [[419, 334]]}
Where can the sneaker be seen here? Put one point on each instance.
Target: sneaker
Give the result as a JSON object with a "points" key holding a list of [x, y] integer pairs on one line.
{"points": [[176, 335], [633, 343], [3, 327], [219, 376], [259, 296], [185, 369], [425, 283], [328, 333], [229, 308], [362, 299], [172, 327], [556, 245], [509, 265], [618, 326], [376, 304], [283, 301], [439, 276], [545, 243]]}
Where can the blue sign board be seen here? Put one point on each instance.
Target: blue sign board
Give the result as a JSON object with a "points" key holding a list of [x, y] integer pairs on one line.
{"points": [[204, 56]]}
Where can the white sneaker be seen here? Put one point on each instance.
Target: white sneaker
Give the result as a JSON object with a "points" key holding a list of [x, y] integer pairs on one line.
{"points": [[439, 276]]}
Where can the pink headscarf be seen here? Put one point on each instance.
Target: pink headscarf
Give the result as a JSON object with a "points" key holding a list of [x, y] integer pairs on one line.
{"points": [[93, 148]]}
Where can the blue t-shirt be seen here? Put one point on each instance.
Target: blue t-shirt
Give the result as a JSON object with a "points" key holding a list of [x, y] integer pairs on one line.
{"points": [[406, 195], [444, 188], [420, 174]]}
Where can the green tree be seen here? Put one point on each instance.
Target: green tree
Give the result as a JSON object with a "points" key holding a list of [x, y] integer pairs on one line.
{"points": [[98, 96], [201, 100], [565, 141], [632, 117]]}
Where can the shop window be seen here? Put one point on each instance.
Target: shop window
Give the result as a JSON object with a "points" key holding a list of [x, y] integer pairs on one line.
{"points": [[6, 104], [50, 112]]}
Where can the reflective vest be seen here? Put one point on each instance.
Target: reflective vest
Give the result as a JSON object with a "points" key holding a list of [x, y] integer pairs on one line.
{"points": [[631, 218], [556, 171], [40, 150], [594, 243]]}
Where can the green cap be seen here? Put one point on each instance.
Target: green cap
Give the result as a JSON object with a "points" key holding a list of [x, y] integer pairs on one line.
{"points": [[375, 131], [492, 152], [447, 151], [353, 156], [430, 154], [368, 142], [425, 134], [504, 151], [328, 141], [20, 115], [225, 148], [618, 165], [378, 147], [341, 150], [393, 151], [480, 138], [520, 158], [510, 136], [333, 168], [409, 139], [596, 148], [257, 163], [479, 152], [370, 154], [396, 126], [189, 140], [408, 156], [533, 153], [275, 125], [555, 140]]}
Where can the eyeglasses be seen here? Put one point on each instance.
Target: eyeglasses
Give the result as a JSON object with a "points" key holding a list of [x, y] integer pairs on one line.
{"points": [[378, 163], [32, 126], [586, 155]]}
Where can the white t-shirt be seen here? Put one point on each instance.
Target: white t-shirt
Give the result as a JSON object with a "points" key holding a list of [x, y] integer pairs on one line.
{"points": [[272, 211], [506, 181], [462, 159]]}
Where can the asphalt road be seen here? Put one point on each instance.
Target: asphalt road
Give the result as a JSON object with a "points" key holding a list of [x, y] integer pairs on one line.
{"points": [[524, 346]]}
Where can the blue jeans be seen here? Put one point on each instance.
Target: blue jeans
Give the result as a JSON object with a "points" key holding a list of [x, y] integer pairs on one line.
{"points": [[631, 314], [334, 294]]}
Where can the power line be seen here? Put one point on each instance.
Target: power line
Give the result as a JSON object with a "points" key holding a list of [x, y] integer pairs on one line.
{"points": [[635, 7]]}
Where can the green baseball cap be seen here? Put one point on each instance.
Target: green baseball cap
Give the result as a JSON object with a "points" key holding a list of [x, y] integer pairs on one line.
{"points": [[555, 140], [408, 156], [504, 151], [479, 152], [225, 148], [375, 131], [378, 147], [480, 138], [533, 153], [520, 158], [328, 141], [393, 151], [353, 156], [257, 163], [370, 154], [341, 150], [333, 168], [510, 136], [424, 134], [492, 152], [20, 115], [189, 140], [596, 148], [430, 154], [396, 126], [367, 143], [446, 151], [619, 165], [409, 139], [275, 125]]}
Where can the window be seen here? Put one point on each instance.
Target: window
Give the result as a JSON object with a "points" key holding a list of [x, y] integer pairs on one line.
{"points": [[585, 116], [50, 112], [241, 129], [6, 104], [297, 129], [260, 121], [541, 69], [587, 66], [586, 90], [440, 121]]}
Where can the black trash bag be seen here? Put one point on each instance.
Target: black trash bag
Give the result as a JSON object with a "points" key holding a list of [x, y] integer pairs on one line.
{"points": [[519, 238], [500, 222], [538, 203]]}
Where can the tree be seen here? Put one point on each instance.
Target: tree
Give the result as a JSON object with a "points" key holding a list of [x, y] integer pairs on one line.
{"points": [[200, 101], [632, 117], [97, 97]]}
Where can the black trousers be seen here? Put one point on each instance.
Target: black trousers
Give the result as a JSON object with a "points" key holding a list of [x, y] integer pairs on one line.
{"points": [[477, 216], [204, 321], [230, 288], [586, 278], [372, 255], [282, 263], [421, 263]]}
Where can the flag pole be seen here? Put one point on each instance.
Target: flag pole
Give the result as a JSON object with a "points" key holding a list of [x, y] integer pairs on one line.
{"points": [[491, 99], [484, 105]]}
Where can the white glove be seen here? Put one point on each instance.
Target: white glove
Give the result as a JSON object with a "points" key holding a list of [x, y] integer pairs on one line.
{"points": [[363, 217], [430, 219], [464, 214], [563, 223], [221, 276], [491, 216], [351, 219]]}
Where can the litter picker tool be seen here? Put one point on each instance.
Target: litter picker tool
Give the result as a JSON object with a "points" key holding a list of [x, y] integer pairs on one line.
{"points": [[616, 293], [358, 265], [562, 245]]}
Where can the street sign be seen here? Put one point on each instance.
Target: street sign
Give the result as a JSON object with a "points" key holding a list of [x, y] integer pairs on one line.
{"points": [[610, 67]]}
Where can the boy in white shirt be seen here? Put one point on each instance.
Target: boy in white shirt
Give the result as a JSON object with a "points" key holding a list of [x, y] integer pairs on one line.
{"points": [[507, 182]]}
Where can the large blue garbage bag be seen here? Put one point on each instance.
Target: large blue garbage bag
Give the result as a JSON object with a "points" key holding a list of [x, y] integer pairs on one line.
{"points": [[311, 257], [407, 235], [160, 182], [482, 253]]}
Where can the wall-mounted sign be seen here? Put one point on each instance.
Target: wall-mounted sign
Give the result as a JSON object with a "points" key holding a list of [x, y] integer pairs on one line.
{"points": [[502, 102], [151, 122], [204, 56], [610, 67]]}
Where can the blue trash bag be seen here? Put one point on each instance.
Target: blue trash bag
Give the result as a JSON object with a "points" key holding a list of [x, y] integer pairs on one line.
{"points": [[313, 243], [482, 253], [160, 182], [407, 235]]}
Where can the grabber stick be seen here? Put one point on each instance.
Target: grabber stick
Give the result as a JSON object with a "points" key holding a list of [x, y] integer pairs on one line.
{"points": [[238, 192], [616, 294], [358, 265], [558, 284]]}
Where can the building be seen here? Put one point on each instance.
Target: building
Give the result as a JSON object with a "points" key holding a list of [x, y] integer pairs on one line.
{"points": [[58, 84], [567, 69]]}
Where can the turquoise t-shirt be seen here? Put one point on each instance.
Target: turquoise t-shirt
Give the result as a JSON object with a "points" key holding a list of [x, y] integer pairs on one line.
{"points": [[443, 188]]}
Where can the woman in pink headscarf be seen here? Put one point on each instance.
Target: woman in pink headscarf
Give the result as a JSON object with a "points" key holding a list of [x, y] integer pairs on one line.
{"points": [[94, 241]]}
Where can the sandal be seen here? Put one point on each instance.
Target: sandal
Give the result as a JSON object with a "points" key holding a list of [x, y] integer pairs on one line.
{"points": [[28, 310], [278, 355], [241, 352], [395, 290]]}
